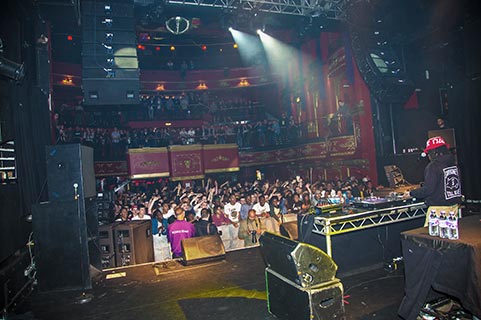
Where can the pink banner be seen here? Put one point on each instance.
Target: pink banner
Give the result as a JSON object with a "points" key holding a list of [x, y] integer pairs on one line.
{"points": [[148, 163], [186, 162], [221, 158]]}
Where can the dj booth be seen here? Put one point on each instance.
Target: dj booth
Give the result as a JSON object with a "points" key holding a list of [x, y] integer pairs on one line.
{"points": [[367, 234]]}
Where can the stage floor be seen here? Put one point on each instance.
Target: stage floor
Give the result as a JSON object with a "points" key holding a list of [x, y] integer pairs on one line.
{"points": [[229, 289]]}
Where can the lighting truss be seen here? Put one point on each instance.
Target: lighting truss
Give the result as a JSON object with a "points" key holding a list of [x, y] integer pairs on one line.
{"points": [[331, 9]]}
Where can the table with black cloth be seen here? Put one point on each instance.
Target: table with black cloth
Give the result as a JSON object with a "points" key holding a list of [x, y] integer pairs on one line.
{"points": [[451, 267]]}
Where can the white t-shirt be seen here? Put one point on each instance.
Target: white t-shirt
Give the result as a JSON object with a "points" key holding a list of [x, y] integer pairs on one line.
{"points": [[261, 209], [233, 211], [145, 217], [169, 214]]}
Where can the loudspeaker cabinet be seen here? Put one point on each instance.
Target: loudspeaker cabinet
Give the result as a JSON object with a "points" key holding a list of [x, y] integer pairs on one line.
{"points": [[287, 300]]}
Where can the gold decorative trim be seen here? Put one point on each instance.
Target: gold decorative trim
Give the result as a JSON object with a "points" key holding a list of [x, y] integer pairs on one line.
{"points": [[347, 153], [189, 147], [319, 157], [149, 175], [188, 178], [147, 150], [220, 146], [222, 170]]}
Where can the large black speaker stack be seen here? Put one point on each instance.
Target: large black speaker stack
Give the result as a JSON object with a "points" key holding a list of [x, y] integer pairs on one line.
{"points": [[375, 53], [66, 228], [300, 280], [70, 172], [110, 71]]}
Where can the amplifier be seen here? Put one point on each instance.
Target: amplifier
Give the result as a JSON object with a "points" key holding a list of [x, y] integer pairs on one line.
{"points": [[133, 243], [107, 245]]}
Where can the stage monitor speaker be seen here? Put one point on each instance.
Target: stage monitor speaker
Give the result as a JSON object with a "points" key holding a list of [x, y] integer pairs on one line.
{"points": [[70, 172], [202, 249], [286, 300], [289, 230], [301, 263], [61, 245]]}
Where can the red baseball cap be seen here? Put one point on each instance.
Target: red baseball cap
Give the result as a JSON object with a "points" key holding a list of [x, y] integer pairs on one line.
{"points": [[435, 142]]}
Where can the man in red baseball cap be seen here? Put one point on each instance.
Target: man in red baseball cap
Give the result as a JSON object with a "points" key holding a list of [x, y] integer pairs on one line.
{"points": [[442, 183]]}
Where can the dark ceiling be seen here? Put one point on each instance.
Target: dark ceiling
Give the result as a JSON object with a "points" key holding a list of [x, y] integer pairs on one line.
{"points": [[419, 23]]}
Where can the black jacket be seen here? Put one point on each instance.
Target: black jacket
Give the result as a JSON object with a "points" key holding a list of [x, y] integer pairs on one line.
{"points": [[204, 228], [442, 184]]}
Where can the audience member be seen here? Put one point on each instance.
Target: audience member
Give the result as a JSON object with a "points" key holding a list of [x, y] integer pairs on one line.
{"points": [[179, 230], [251, 229], [204, 227]]}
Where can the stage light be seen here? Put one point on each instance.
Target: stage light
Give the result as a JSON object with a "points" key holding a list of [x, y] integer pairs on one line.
{"points": [[204, 47], [68, 81], [259, 31], [172, 48], [11, 69], [231, 29], [235, 46], [69, 38], [157, 48], [202, 86]]}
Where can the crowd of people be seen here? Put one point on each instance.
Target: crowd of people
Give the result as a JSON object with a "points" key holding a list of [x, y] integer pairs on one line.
{"points": [[184, 106], [239, 212], [112, 143]]}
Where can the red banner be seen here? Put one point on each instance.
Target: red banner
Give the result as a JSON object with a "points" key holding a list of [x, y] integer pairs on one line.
{"points": [[221, 158], [110, 168], [186, 162], [148, 163]]}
